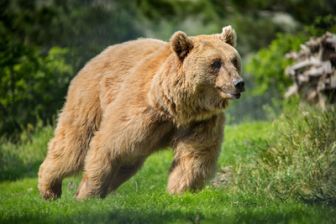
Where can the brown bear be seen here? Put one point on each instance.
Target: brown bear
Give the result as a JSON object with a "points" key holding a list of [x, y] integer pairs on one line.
{"points": [[137, 97]]}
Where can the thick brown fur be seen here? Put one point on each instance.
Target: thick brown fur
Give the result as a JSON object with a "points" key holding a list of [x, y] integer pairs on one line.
{"points": [[137, 97]]}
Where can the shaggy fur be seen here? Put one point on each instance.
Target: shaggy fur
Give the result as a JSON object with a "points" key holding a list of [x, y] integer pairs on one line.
{"points": [[137, 97]]}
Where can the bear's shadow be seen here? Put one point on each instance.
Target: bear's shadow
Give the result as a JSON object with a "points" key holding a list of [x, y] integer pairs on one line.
{"points": [[13, 168], [138, 216]]}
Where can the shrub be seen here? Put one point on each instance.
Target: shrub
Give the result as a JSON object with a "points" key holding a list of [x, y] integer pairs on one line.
{"points": [[299, 161], [32, 85]]}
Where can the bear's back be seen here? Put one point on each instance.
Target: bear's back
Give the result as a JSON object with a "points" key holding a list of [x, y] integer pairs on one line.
{"points": [[120, 58], [103, 76]]}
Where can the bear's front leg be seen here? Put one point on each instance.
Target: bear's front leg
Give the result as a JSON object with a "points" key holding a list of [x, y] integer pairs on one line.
{"points": [[191, 170], [196, 151]]}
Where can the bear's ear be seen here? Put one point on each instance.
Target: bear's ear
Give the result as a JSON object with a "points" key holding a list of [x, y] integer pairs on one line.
{"points": [[181, 44], [228, 35]]}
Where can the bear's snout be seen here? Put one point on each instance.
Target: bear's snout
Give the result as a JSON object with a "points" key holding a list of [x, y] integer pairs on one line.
{"points": [[239, 85]]}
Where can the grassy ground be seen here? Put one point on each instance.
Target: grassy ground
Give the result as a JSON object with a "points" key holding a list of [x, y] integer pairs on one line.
{"points": [[143, 199]]}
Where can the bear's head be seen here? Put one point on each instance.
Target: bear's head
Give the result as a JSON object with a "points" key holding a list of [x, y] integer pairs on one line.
{"points": [[210, 63], [198, 78]]}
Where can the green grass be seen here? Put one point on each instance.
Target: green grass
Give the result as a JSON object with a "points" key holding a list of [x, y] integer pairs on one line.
{"points": [[143, 199]]}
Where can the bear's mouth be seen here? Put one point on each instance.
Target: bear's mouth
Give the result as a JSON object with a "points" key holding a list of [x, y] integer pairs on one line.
{"points": [[234, 95], [225, 94]]}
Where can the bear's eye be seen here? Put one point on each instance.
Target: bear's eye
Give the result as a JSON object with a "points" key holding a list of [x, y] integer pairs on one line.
{"points": [[234, 61], [216, 65]]}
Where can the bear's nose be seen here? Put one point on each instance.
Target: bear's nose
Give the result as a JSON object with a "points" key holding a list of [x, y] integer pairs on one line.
{"points": [[239, 84]]}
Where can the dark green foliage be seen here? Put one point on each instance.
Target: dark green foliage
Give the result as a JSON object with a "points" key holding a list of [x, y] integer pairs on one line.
{"points": [[322, 24], [303, 11], [32, 85], [43, 44], [85, 27]]}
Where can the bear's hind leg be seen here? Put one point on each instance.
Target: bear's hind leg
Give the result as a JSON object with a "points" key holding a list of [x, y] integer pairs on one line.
{"points": [[122, 141], [66, 154], [109, 162]]}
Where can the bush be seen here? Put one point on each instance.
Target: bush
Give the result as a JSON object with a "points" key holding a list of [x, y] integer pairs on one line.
{"points": [[300, 159], [32, 85], [267, 67]]}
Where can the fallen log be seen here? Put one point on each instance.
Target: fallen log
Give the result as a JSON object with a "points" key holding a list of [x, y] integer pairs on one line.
{"points": [[314, 71]]}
